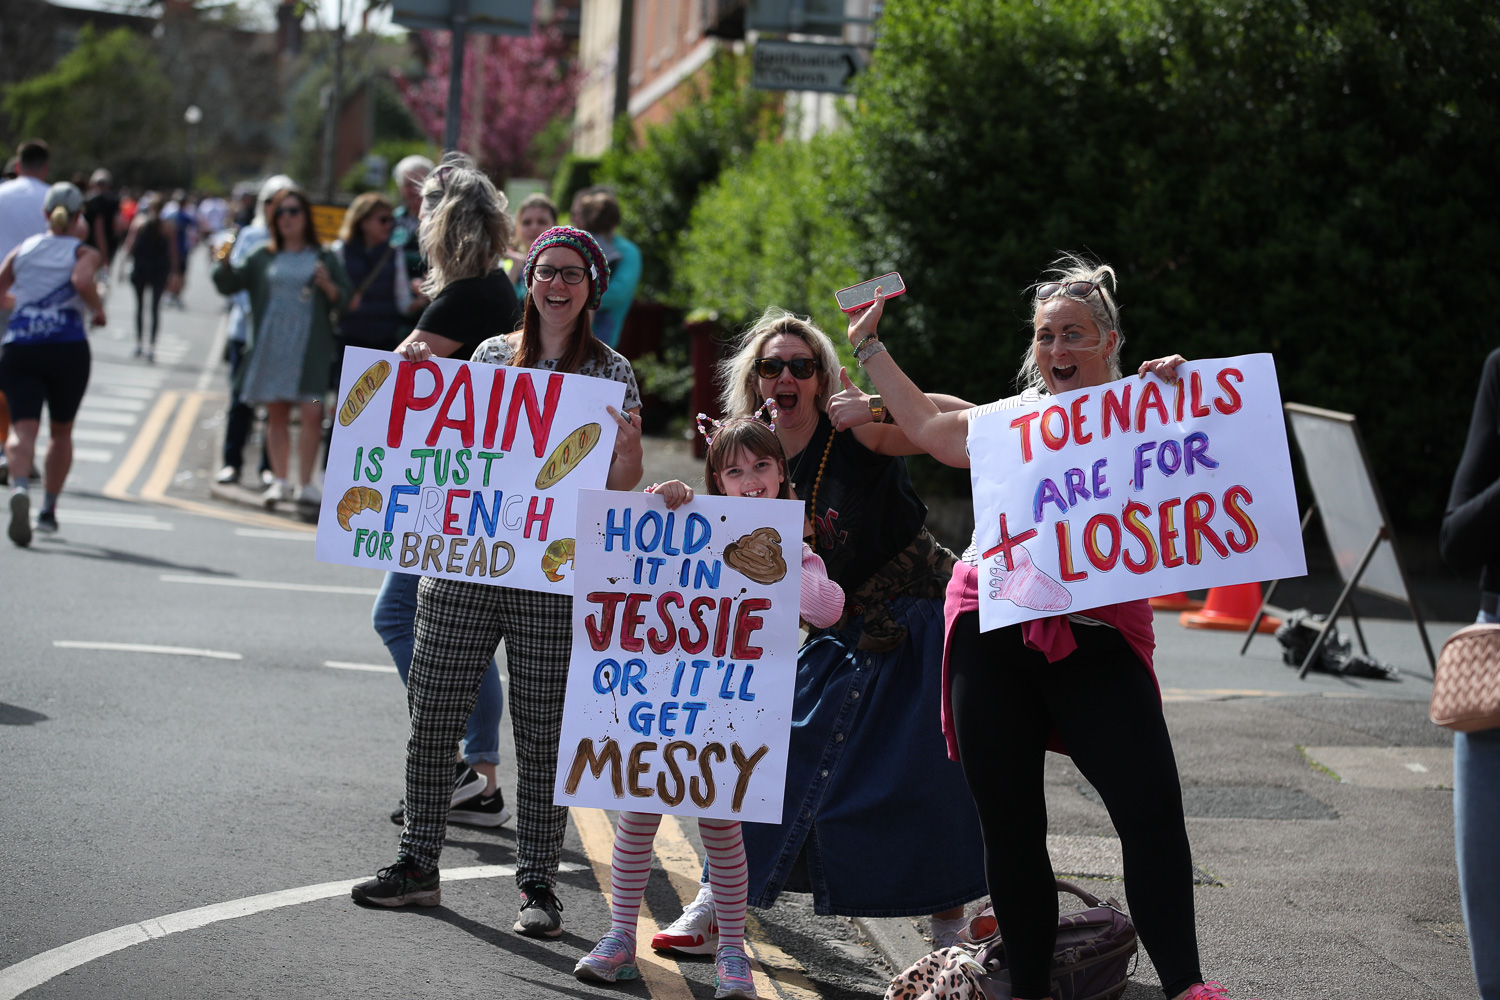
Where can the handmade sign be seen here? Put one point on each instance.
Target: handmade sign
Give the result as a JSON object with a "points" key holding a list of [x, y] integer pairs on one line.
{"points": [[684, 656], [1132, 489], [462, 470]]}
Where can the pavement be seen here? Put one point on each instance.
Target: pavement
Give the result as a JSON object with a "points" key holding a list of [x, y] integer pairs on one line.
{"points": [[1319, 810]]}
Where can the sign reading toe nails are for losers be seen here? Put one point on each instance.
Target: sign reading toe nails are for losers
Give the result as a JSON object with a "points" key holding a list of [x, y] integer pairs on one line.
{"points": [[1132, 489]]}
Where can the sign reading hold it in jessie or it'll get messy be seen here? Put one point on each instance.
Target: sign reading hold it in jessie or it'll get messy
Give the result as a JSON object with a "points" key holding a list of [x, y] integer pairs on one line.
{"points": [[1133, 489], [684, 656], [462, 470]]}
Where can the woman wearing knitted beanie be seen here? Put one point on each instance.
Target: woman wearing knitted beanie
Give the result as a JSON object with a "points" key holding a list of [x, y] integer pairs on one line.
{"points": [[460, 624]]}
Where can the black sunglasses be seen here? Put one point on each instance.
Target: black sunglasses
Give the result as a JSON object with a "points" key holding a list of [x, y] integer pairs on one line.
{"points": [[802, 368], [1072, 289], [289, 210]]}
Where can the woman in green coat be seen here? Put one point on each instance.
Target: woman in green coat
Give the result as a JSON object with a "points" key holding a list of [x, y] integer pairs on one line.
{"points": [[293, 285]]}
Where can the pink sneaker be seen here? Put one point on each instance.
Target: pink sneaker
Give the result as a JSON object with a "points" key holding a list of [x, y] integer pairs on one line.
{"points": [[1206, 991], [732, 975], [612, 959]]}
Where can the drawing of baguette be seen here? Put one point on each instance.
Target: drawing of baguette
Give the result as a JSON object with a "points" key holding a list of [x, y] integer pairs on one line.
{"points": [[363, 391], [566, 456]]}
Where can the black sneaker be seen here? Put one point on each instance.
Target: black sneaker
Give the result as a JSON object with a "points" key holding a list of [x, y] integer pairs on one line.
{"points": [[20, 518], [46, 522], [467, 784], [541, 913], [480, 810], [403, 882]]}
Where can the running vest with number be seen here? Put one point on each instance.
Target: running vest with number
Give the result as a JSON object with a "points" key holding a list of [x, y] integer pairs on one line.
{"points": [[48, 307]]}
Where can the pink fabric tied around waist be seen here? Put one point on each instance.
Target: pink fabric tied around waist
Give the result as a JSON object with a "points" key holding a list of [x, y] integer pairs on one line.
{"points": [[1052, 637]]}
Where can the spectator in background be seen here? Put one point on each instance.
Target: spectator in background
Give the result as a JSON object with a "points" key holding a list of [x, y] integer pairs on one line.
{"points": [[20, 216], [244, 205], [596, 211], [1470, 540], [213, 212], [409, 174], [101, 213], [536, 215], [294, 284], [151, 246], [382, 298], [253, 234], [182, 213]]}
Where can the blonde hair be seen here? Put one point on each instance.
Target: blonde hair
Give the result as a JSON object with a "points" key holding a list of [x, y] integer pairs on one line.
{"points": [[59, 219], [740, 395], [464, 226], [1101, 306], [361, 209]]}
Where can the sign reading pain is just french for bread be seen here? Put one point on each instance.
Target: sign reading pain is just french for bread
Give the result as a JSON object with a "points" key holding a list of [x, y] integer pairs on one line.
{"points": [[1133, 489], [463, 470]]}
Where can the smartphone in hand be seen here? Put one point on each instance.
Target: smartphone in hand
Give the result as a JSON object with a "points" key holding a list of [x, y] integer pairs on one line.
{"points": [[856, 297]]}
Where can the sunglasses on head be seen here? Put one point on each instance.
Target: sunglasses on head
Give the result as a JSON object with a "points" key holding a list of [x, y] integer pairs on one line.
{"points": [[1072, 289], [802, 368]]}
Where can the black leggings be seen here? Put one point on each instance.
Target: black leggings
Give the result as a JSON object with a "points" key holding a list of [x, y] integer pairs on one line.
{"points": [[1006, 701], [156, 286]]}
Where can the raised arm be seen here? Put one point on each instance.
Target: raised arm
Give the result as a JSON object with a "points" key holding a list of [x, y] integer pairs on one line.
{"points": [[943, 435]]}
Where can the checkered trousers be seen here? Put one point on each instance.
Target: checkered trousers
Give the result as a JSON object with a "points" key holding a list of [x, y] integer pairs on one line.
{"points": [[459, 626]]}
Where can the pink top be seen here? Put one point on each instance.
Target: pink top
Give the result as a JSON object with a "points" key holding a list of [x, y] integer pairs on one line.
{"points": [[822, 599], [1052, 637]]}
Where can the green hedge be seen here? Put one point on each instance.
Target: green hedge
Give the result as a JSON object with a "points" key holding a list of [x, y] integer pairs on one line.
{"points": [[1313, 180]]}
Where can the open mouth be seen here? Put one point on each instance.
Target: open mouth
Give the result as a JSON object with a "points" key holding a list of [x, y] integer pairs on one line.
{"points": [[786, 400], [1064, 374], [759, 491]]}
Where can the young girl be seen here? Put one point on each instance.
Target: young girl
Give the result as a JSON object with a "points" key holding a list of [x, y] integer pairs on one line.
{"points": [[744, 460]]}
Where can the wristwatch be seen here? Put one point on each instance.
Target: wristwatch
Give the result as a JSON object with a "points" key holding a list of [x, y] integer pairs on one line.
{"points": [[877, 409]]}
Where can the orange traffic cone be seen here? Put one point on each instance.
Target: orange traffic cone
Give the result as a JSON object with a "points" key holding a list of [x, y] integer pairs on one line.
{"points": [[1231, 609], [1175, 602]]}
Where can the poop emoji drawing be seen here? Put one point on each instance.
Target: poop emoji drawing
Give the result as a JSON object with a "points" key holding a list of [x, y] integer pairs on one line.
{"points": [[356, 499], [757, 555], [559, 552], [1027, 586]]}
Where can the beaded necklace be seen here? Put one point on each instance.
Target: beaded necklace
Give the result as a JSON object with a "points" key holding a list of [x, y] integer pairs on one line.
{"points": [[812, 501]]}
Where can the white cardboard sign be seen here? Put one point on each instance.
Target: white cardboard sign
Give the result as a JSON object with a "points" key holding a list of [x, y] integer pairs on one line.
{"points": [[1133, 489], [462, 470], [684, 658]]}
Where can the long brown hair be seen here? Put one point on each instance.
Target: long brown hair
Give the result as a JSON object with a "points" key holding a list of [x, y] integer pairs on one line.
{"points": [[756, 438], [366, 205]]}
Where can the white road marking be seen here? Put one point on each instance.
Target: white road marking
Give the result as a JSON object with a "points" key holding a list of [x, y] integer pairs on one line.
{"points": [[99, 437], [101, 402], [285, 536], [106, 417], [137, 647], [126, 391], [34, 971], [306, 588], [145, 522], [98, 456], [1415, 768], [374, 668]]}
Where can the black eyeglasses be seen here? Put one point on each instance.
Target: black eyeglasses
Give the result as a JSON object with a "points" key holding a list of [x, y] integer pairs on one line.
{"points": [[571, 275], [1072, 289], [802, 368]]}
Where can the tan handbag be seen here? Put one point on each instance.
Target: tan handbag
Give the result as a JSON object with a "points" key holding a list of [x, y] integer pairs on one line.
{"points": [[1466, 691]]}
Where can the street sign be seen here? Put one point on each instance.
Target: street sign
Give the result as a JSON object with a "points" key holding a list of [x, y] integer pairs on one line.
{"points": [[805, 66], [808, 17], [493, 17]]}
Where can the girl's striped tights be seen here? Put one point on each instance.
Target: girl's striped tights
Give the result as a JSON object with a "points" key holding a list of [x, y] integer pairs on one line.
{"points": [[631, 866]]}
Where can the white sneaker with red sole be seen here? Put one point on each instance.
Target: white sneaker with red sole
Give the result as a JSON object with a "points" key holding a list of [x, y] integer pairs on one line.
{"points": [[696, 932]]}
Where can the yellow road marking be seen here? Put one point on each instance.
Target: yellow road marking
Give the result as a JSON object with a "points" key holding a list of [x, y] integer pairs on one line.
{"points": [[172, 448], [662, 976], [130, 466], [1206, 694]]}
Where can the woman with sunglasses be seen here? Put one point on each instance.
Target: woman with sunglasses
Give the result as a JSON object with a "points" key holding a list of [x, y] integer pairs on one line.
{"points": [[1013, 691], [868, 776], [460, 625], [294, 284], [382, 298]]}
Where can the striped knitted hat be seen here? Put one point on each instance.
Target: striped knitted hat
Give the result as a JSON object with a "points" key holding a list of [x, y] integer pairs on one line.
{"points": [[587, 247]]}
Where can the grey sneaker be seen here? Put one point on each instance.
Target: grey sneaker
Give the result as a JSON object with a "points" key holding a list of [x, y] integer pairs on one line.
{"points": [[541, 912]]}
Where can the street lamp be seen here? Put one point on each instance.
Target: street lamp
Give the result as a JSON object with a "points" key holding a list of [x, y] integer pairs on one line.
{"points": [[193, 115]]}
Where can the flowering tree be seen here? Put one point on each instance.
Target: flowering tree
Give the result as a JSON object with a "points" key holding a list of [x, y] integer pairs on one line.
{"points": [[513, 87]]}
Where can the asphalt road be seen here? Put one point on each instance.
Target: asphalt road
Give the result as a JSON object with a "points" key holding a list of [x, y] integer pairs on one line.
{"points": [[184, 819]]}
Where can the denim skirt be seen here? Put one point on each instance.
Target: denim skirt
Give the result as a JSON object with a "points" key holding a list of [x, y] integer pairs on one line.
{"points": [[876, 820]]}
